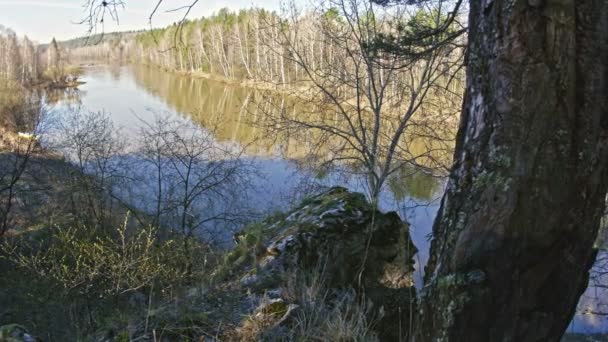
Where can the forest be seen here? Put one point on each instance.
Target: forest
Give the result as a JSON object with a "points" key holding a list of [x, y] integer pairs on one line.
{"points": [[341, 170]]}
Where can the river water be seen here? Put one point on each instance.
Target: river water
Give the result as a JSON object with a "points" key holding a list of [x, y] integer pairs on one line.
{"points": [[132, 95]]}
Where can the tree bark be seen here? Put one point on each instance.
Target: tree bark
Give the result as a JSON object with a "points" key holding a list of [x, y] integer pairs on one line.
{"points": [[514, 238]]}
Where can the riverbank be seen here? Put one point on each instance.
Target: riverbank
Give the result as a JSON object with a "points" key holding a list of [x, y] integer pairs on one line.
{"points": [[304, 93], [307, 93], [276, 88]]}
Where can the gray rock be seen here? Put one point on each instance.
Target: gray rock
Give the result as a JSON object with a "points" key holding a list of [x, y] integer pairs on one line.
{"points": [[354, 246]]}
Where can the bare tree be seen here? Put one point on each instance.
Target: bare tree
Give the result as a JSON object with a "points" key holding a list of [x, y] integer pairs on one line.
{"points": [[90, 141], [19, 59], [97, 11], [15, 160], [371, 110], [196, 179]]}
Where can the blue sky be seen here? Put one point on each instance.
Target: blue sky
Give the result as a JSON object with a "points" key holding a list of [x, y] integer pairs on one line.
{"points": [[42, 20]]}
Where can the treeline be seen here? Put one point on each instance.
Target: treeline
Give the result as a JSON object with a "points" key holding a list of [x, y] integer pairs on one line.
{"points": [[20, 58], [243, 45], [26, 63], [26, 70], [252, 44], [115, 46], [97, 39], [21, 66], [233, 45]]}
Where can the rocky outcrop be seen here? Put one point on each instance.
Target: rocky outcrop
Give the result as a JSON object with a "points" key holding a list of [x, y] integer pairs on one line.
{"points": [[338, 233], [337, 236]]}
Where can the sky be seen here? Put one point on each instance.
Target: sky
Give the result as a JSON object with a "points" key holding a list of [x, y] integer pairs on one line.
{"points": [[41, 20]]}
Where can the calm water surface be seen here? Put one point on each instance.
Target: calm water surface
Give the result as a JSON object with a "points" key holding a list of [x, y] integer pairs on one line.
{"points": [[131, 95]]}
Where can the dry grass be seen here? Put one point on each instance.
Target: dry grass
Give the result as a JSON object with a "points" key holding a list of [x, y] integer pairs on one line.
{"points": [[309, 311], [327, 315]]}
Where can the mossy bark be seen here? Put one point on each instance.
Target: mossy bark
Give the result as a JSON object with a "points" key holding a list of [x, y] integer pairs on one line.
{"points": [[513, 240]]}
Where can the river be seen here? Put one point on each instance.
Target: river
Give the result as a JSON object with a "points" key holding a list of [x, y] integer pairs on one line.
{"points": [[132, 95]]}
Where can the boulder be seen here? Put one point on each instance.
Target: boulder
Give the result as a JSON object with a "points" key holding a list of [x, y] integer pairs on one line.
{"points": [[338, 236], [339, 233]]}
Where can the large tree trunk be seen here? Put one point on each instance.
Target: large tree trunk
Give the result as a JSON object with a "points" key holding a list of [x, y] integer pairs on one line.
{"points": [[513, 240]]}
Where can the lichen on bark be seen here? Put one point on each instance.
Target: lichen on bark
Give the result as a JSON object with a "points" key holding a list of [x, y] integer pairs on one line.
{"points": [[528, 185]]}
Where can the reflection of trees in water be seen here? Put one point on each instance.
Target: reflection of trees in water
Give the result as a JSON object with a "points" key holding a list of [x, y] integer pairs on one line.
{"points": [[241, 113], [70, 96], [240, 110], [20, 108], [115, 71], [202, 100], [412, 182]]}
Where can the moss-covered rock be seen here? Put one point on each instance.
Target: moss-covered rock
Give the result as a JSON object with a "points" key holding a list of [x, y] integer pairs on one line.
{"points": [[340, 233], [349, 243]]}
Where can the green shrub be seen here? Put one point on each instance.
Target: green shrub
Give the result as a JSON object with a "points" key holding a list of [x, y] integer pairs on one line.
{"points": [[62, 75], [76, 281], [92, 262], [12, 99]]}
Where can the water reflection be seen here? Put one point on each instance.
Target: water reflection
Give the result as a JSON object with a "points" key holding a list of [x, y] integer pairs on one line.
{"points": [[67, 96], [243, 113], [237, 112], [131, 95], [409, 182]]}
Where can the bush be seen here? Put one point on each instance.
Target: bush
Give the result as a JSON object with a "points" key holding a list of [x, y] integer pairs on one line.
{"points": [[91, 262], [12, 99], [75, 281], [62, 76]]}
